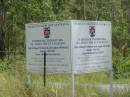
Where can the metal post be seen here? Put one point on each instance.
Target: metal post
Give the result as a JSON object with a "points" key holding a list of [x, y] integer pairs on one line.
{"points": [[72, 71], [95, 9], [72, 84], [44, 69], [111, 73], [111, 84], [84, 1]]}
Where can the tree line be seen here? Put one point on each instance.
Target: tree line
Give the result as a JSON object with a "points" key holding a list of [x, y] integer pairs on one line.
{"points": [[14, 14]]}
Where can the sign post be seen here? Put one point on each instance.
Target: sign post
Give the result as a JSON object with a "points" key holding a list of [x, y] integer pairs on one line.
{"points": [[72, 85], [111, 72], [111, 84], [72, 47], [44, 69]]}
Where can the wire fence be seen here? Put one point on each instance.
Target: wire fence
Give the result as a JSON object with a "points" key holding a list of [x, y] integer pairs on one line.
{"points": [[17, 82]]}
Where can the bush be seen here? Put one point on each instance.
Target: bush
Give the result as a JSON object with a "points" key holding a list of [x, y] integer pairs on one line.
{"points": [[4, 65], [121, 65]]}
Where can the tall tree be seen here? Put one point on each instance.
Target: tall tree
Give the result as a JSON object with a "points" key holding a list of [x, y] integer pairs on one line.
{"points": [[129, 16], [2, 25]]}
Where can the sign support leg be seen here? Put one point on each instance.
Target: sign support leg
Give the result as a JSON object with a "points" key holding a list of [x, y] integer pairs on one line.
{"points": [[111, 84], [72, 85], [44, 69]]}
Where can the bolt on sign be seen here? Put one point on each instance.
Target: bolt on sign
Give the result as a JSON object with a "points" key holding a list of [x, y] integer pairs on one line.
{"points": [[81, 46]]}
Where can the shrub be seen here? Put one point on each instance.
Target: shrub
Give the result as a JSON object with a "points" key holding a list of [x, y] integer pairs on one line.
{"points": [[121, 65], [4, 65]]}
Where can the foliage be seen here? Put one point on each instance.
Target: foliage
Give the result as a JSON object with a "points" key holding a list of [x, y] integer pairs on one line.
{"points": [[4, 65], [14, 14], [121, 65], [20, 12]]}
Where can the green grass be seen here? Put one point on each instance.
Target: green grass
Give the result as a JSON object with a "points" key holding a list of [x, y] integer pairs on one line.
{"points": [[122, 81], [21, 85], [15, 82]]}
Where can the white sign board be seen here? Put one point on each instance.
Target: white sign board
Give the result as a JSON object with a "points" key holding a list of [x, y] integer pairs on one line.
{"points": [[52, 38], [81, 46], [92, 49]]}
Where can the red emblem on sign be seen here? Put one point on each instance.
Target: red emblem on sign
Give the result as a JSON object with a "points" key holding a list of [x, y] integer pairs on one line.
{"points": [[92, 32], [46, 32]]}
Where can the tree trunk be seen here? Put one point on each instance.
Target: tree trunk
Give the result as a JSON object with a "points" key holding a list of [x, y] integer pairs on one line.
{"points": [[129, 17], [2, 29]]}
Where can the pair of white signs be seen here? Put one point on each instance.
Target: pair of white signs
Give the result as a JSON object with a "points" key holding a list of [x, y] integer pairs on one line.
{"points": [[81, 46]]}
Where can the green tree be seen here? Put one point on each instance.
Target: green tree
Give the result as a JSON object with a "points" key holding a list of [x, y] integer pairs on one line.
{"points": [[4, 5]]}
